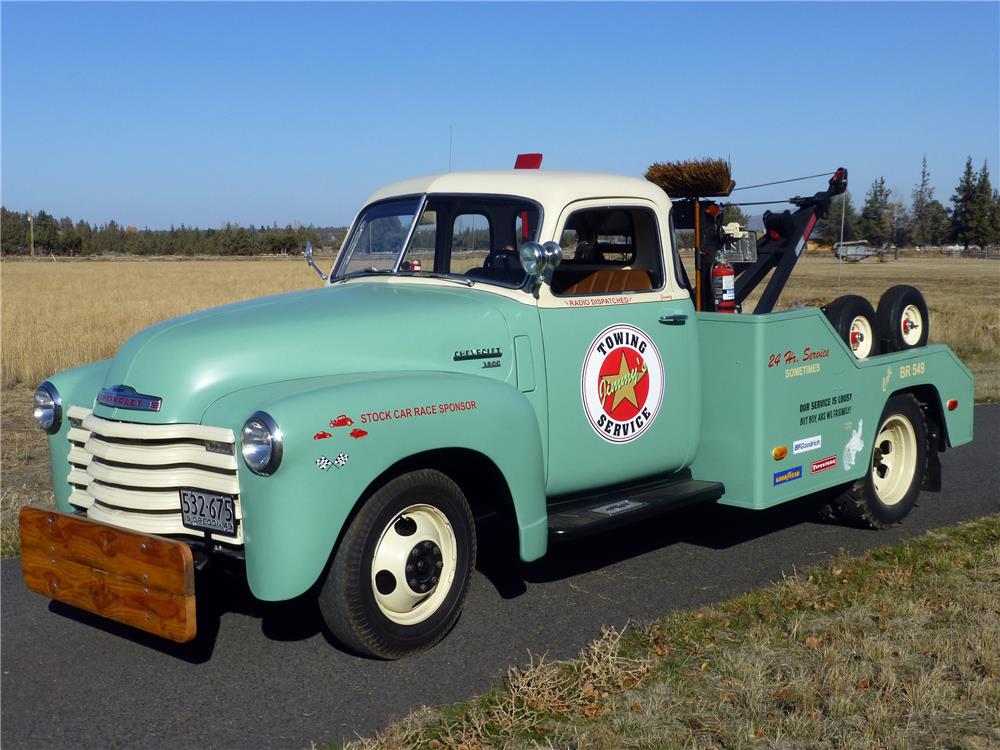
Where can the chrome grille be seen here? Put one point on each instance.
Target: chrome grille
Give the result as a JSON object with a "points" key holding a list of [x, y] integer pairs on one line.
{"points": [[128, 474]]}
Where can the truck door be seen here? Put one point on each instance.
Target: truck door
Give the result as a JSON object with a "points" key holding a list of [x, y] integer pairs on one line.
{"points": [[621, 351]]}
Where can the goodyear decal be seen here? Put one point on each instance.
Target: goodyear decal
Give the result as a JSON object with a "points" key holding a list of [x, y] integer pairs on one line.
{"points": [[787, 475]]}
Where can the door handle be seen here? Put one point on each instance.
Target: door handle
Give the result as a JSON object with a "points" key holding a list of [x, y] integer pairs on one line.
{"points": [[674, 320]]}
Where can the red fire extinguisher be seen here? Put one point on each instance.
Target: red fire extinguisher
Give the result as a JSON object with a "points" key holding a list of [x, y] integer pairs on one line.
{"points": [[724, 287]]}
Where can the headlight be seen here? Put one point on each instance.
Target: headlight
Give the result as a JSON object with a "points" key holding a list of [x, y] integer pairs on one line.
{"points": [[48, 408], [261, 443]]}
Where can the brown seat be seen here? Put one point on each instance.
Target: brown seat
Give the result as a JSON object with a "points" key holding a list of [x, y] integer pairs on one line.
{"points": [[607, 281]]}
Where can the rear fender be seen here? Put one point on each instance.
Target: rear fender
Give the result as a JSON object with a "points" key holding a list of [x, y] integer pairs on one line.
{"points": [[292, 519]]}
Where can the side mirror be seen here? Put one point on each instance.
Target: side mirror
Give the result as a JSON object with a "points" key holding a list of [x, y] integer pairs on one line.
{"points": [[308, 253], [540, 261]]}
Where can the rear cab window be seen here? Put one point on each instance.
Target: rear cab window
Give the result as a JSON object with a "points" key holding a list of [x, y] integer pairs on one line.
{"points": [[609, 249]]}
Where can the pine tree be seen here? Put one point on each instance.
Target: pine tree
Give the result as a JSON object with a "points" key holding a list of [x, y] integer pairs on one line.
{"points": [[936, 224], [981, 211], [829, 228], [963, 201], [876, 222], [922, 196]]}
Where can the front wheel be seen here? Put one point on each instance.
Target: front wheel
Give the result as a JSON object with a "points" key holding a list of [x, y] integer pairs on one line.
{"points": [[889, 490], [401, 572]]}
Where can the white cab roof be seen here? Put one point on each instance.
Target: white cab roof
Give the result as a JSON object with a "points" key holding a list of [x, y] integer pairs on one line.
{"points": [[549, 188]]}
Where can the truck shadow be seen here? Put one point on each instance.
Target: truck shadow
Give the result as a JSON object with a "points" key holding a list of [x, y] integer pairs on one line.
{"points": [[220, 593], [223, 592], [713, 526]]}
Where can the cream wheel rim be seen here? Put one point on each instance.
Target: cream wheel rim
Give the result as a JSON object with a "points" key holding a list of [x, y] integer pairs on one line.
{"points": [[894, 460], [860, 337], [911, 324], [414, 564]]}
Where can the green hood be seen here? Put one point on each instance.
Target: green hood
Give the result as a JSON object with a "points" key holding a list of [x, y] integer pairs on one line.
{"points": [[193, 360]]}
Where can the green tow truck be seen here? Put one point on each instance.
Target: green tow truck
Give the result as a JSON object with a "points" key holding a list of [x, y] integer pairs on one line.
{"points": [[524, 343]]}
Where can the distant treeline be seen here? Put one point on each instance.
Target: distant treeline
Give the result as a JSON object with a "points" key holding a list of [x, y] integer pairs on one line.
{"points": [[53, 236], [972, 219]]}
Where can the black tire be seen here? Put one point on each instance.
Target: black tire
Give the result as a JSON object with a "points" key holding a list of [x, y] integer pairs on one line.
{"points": [[889, 489], [903, 319], [854, 319], [375, 616]]}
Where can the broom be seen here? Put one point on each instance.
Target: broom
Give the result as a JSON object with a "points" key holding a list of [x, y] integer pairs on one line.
{"points": [[693, 178]]}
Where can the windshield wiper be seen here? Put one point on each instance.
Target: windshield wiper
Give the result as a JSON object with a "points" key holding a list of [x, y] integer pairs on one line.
{"points": [[446, 276], [365, 272]]}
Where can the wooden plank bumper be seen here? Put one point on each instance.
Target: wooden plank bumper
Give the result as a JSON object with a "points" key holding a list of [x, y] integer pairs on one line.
{"points": [[137, 579]]}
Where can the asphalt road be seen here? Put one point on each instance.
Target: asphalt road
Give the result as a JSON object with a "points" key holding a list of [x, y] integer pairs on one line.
{"points": [[264, 676]]}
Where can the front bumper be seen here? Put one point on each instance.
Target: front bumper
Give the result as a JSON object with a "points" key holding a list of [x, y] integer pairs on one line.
{"points": [[141, 580]]}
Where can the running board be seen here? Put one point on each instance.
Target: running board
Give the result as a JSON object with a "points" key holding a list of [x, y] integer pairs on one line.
{"points": [[597, 512]]}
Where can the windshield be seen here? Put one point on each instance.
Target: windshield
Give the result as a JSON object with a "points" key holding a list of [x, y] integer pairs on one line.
{"points": [[473, 238], [378, 237]]}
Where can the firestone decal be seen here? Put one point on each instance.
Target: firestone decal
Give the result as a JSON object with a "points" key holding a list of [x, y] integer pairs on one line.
{"points": [[830, 462], [622, 383]]}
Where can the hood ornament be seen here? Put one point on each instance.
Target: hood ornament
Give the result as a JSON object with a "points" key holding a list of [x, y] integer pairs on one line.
{"points": [[126, 397]]}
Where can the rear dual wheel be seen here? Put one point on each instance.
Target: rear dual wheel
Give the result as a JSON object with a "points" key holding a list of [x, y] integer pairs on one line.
{"points": [[854, 319], [401, 572], [889, 490], [903, 318]]}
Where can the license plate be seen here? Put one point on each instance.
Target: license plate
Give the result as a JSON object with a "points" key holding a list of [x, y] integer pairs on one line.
{"points": [[208, 511]]}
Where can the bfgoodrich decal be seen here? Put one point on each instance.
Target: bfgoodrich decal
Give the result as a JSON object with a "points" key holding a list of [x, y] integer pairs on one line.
{"points": [[807, 444], [622, 383]]}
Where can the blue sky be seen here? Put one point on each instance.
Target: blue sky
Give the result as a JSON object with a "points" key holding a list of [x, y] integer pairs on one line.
{"points": [[160, 114]]}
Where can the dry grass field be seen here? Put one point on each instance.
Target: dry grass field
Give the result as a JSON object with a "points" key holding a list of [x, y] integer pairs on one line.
{"points": [[62, 314]]}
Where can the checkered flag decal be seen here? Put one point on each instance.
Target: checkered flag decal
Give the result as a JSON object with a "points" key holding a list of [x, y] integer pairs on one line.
{"points": [[324, 463], [341, 460]]}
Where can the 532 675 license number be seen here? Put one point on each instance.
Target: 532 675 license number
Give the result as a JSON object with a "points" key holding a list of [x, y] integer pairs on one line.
{"points": [[208, 511]]}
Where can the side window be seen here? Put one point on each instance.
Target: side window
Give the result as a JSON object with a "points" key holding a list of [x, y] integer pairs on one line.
{"points": [[470, 242], [609, 250], [420, 255], [525, 226]]}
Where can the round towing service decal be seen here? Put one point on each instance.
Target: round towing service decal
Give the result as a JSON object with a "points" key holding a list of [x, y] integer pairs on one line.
{"points": [[622, 383]]}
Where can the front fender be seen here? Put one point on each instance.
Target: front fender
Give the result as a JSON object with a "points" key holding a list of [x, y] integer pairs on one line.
{"points": [[77, 387], [292, 519]]}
